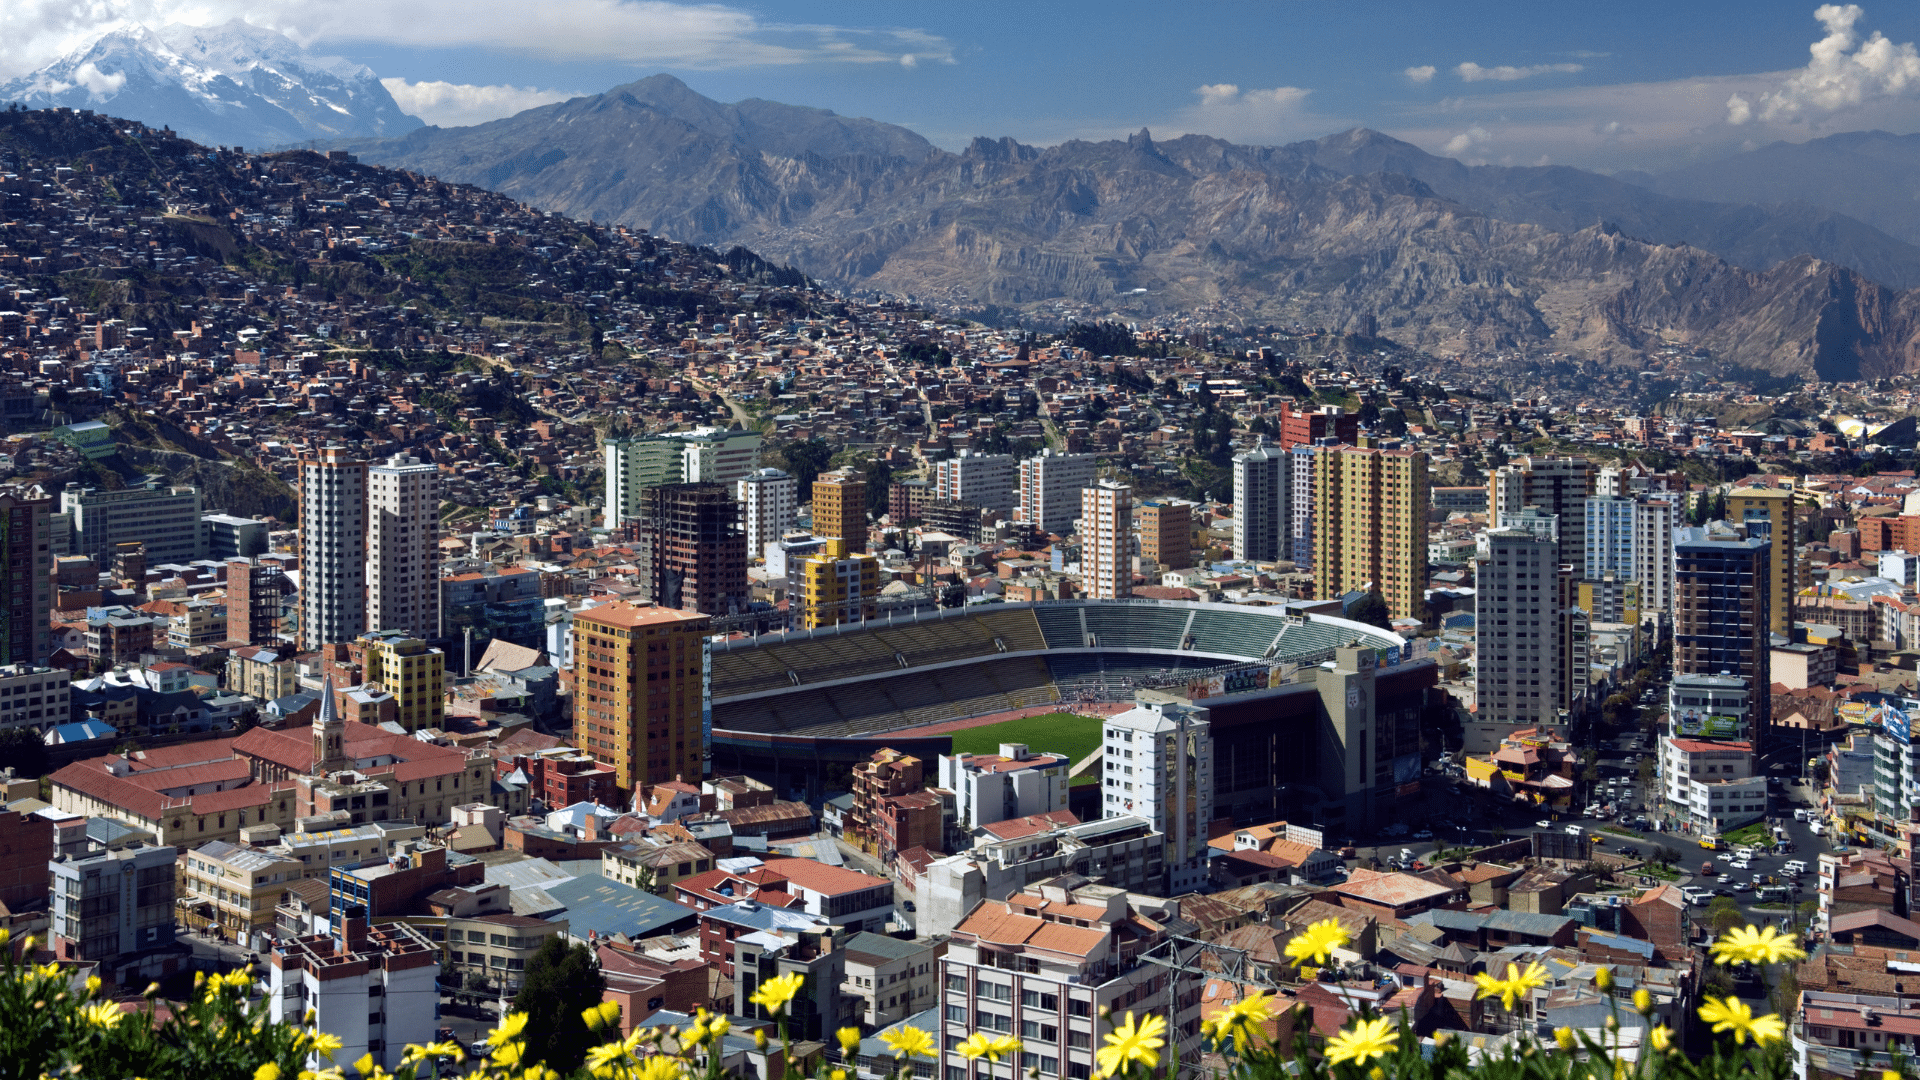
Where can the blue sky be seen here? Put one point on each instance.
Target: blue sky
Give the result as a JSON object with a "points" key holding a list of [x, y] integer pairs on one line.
{"points": [[1609, 85]]}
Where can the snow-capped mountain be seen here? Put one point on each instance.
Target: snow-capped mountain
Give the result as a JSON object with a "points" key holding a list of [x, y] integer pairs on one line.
{"points": [[234, 85]]}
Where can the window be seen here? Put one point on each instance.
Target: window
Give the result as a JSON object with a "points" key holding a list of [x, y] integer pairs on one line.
{"points": [[957, 1014]]}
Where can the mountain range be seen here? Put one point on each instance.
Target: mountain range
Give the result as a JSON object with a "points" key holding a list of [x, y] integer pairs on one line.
{"points": [[1355, 229], [235, 84]]}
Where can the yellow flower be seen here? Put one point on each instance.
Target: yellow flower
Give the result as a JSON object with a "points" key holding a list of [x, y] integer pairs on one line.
{"points": [[93, 985], [1317, 942], [511, 1025], [1132, 1042], [364, 1066], [269, 1071], [509, 1053], [1239, 1019], [1309, 973], [777, 991], [976, 1045], [1004, 1047], [759, 1038], [1732, 1014], [1756, 945], [1890, 1074], [1603, 978], [662, 1067], [323, 1074], [1661, 1037], [1643, 1003], [1564, 1036], [605, 1054], [719, 1026], [103, 1014], [1365, 1040], [325, 1044], [601, 1015], [1517, 982], [849, 1040], [909, 1041], [837, 1074]]}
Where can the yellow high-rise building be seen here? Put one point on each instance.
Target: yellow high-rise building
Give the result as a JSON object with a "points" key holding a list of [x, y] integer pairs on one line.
{"points": [[1775, 507], [836, 586], [1370, 525], [640, 685], [840, 509], [405, 667]]}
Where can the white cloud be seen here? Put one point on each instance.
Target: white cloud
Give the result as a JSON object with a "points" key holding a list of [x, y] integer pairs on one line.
{"points": [[99, 83], [1839, 75], [657, 33], [1422, 74], [1739, 110], [1472, 72], [459, 105], [1470, 139], [1261, 117]]}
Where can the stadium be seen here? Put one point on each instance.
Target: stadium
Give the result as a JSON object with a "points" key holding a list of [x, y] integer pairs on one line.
{"points": [[800, 704]]}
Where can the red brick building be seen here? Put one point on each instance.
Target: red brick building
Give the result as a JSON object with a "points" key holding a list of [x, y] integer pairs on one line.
{"points": [[1328, 421], [26, 846]]}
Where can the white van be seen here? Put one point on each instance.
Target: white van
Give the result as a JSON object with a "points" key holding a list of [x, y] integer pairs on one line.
{"points": [[1818, 828], [1801, 813]]}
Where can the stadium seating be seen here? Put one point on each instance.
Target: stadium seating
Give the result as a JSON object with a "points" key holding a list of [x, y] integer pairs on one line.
{"points": [[1247, 633], [1016, 628], [1136, 626], [1060, 625], [749, 670]]}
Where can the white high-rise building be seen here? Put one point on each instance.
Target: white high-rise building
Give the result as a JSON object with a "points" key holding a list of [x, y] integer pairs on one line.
{"points": [[633, 466], [1632, 539], [770, 499], [985, 480], [1156, 762], [1106, 540], [403, 550], [1050, 486], [1301, 460], [166, 519], [1654, 519], [333, 547], [1262, 511], [1558, 486], [640, 462], [1517, 626], [719, 454]]}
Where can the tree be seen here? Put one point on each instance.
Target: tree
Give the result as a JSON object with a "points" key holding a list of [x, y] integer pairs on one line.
{"points": [[561, 982], [23, 752], [1786, 991], [1371, 608], [1724, 914]]}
